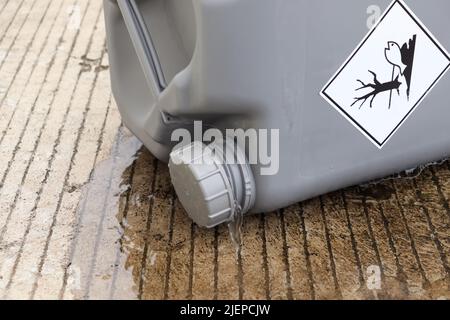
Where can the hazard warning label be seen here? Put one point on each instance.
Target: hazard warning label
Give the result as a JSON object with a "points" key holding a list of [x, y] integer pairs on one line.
{"points": [[388, 75]]}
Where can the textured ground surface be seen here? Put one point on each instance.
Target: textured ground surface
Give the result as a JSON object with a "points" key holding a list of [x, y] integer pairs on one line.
{"points": [[85, 212]]}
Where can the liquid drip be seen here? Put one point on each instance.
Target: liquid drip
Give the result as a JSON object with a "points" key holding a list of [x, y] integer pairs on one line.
{"points": [[235, 228]]}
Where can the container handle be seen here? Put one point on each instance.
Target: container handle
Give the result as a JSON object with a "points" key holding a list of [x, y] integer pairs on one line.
{"points": [[143, 45]]}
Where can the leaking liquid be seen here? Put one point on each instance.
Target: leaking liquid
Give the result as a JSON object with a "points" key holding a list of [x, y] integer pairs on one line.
{"points": [[235, 228], [407, 174]]}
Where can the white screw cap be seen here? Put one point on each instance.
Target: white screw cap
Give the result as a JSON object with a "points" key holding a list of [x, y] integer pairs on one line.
{"points": [[210, 190]]}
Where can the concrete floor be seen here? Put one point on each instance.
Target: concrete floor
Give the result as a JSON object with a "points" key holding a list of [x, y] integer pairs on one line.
{"points": [[86, 212]]}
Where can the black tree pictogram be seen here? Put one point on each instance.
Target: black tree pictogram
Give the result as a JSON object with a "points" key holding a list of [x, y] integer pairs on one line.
{"points": [[378, 88]]}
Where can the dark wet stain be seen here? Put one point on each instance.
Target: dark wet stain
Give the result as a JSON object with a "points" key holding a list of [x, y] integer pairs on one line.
{"points": [[171, 258], [88, 65], [85, 67], [101, 68], [380, 192], [72, 188]]}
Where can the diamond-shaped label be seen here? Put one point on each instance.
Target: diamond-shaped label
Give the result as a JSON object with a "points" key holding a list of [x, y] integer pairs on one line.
{"points": [[388, 75]]}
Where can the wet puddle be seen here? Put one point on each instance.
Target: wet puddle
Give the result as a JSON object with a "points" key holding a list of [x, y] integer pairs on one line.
{"points": [[95, 271], [135, 241]]}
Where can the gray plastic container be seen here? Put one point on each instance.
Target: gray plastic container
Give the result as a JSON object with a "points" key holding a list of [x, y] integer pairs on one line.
{"points": [[283, 64]]}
